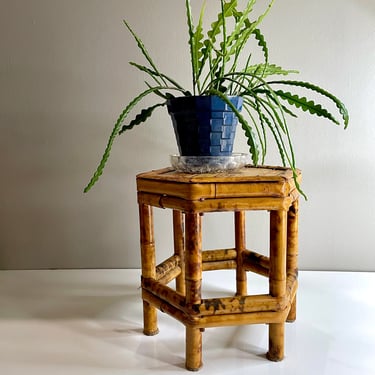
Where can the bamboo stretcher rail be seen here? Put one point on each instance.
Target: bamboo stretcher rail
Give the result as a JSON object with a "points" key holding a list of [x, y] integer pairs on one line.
{"points": [[249, 256], [225, 305], [219, 265], [167, 265], [255, 268], [171, 275], [253, 257], [164, 292], [216, 260], [220, 259], [266, 317], [218, 255], [247, 304], [228, 259], [257, 263], [240, 304], [166, 307]]}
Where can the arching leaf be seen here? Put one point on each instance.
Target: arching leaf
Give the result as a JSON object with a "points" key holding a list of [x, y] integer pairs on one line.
{"points": [[115, 131], [141, 117], [306, 105], [261, 43], [339, 104]]}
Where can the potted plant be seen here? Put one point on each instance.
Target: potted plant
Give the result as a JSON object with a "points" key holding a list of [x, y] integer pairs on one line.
{"points": [[222, 69]]}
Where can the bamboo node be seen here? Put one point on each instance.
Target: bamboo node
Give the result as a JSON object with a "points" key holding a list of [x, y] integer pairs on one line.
{"points": [[161, 205]]}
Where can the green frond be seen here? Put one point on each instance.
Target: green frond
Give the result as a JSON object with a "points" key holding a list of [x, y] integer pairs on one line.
{"points": [[157, 92], [263, 15], [114, 134], [155, 74], [227, 11], [265, 120], [198, 46], [236, 40], [266, 114], [228, 8], [193, 56], [141, 117], [273, 107], [242, 23], [259, 127], [141, 46], [262, 43], [307, 85], [268, 70], [306, 105]]}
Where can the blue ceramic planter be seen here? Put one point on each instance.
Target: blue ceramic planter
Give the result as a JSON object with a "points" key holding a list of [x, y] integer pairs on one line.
{"points": [[204, 125]]}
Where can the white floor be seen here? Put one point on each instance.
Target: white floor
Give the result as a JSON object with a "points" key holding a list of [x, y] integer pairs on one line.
{"points": [[89, 322]]}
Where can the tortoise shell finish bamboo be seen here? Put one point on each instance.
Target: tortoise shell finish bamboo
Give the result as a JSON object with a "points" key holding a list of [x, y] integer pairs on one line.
{"points": [[189, 196]]}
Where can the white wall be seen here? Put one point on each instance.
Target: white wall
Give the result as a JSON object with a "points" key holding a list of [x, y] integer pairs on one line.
{"points": [[64, 79]]}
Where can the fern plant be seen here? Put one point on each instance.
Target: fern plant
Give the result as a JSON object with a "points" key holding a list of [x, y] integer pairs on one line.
{"points": [[216, 68]]}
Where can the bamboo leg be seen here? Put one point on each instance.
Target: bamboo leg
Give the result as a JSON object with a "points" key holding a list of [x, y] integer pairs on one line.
{"points": [[150, 326], [150, 320], [292, 252], [292, 316], [193, 277], [193, 349], [179, 248], [276, 342], [277, 279], [240, 238]]}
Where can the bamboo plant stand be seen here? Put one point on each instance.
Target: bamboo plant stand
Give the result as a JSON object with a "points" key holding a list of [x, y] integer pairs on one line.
{"points": [[190, 196]]}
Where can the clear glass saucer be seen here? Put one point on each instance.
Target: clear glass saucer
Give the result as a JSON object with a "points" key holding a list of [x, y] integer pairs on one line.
{"points": [[209, 164]]}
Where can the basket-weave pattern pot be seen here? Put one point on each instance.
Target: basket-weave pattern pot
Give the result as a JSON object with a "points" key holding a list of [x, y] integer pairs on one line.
{"points": [[204, 125]]}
